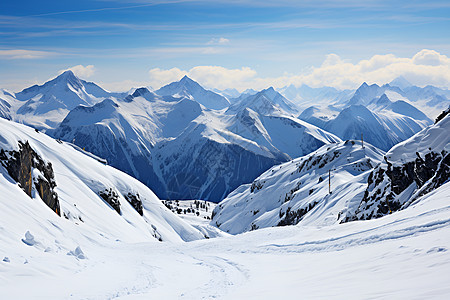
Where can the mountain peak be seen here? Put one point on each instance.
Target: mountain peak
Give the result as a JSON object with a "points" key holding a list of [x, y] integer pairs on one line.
{"points": [[191, 89], [383, 100], [400, 82], [67, 75], [186, 79], [366, 86]]}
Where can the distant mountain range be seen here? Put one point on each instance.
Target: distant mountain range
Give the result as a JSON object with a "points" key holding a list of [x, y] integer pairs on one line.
{"points": [[186, 142]]}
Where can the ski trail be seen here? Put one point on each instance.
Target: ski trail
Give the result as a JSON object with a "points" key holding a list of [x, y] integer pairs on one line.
{"points": [[355, 239]]}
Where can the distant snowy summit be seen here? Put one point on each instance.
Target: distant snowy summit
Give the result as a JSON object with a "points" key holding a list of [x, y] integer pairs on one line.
{"points": [[188, 88]]}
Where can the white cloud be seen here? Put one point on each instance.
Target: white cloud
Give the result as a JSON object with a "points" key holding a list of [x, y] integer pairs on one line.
{"points": [[23, 54], [218, 41], [81, 71], [209, 76], [430, 58], [159, 77], [425, 67]]}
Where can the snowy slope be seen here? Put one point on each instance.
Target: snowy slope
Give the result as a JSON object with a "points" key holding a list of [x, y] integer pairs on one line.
{"points": [[132, 214], [188, 88], [298, 191], [400, 256], [6, 101]]}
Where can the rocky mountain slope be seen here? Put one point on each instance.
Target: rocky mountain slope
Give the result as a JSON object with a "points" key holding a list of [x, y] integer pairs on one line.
{"points": [[409, 170]]}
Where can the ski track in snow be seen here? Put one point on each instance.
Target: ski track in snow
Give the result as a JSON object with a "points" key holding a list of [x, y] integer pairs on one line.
{"points": [[357, 239]]}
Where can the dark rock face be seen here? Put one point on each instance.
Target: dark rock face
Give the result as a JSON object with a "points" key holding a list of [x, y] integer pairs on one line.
{"points": [[386, 184], [20, 165], [111, 197], [292, 217], [442, 115], [135, 201]]}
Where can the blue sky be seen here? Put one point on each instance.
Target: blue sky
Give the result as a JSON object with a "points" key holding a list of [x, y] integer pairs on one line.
{"points": [[124, 43]]}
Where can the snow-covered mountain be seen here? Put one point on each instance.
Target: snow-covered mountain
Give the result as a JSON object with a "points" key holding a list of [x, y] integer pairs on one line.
{"points": [[73, 227], [340, 183], [188, 88], [182, 150], [267, 102], [431, 100], [45, 106], [298, 190], [176, 142], [54, 191], [381, 122]]}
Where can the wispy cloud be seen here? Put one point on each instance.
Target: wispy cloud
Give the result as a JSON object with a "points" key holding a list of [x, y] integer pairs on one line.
{"points": [[218, 41], [288, 3], [81, 71], [24, 54]]}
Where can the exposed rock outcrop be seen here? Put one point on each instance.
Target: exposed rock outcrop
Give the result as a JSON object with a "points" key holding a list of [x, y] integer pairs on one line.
{"points": [[111, 197], [32, 173], [392, 188], [135, 201]]}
